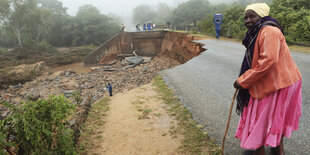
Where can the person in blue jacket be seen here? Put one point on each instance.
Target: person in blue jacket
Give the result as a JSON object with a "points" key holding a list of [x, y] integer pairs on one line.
{"points": [[144, 27], [109, 86], [217, 22]]}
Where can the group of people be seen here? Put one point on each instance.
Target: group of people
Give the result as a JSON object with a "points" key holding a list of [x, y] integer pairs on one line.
{"points": [[146, 27]]}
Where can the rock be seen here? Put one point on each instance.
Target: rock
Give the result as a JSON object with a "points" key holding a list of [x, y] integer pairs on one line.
{"points": [[110, 69], [84, 101], [95, 68], [72, 122], [68, 93], [145, 68], [7, 96], [146, 59], [124, 55], [55, 75], [71, 85], [34, 97], [4, 114], [69, 72], [134, 60], [16, 86], [110, 63], [107, 67], [129, 66]]}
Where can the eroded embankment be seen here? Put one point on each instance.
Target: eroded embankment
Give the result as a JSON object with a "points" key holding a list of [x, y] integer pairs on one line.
{"points": [[180, 47]]}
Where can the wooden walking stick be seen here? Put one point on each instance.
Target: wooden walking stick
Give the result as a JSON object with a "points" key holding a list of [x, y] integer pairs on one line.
{"points": [[229, 117]]}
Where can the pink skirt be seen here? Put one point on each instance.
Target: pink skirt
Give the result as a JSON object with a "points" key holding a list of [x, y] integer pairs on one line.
{"points": [[264, 121]]}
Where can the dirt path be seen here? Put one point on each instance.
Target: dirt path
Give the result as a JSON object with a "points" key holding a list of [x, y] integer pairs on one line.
{"points": [[137, 124]]}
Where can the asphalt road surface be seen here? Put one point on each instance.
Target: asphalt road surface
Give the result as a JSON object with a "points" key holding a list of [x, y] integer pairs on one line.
{"points": [[205, 86]]}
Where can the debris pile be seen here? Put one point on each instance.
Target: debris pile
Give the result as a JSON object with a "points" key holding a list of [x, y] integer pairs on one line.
{"points": [[91, 84]]}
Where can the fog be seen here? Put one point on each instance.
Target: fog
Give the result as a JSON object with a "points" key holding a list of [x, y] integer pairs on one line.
{"points": [[122, 7]]}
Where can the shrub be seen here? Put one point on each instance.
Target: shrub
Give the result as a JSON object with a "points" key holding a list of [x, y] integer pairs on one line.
{"points": [[38, 127], [194, 30]]}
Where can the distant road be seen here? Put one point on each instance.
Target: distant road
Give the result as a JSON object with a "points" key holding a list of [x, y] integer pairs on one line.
{"points": [[204, 84]]}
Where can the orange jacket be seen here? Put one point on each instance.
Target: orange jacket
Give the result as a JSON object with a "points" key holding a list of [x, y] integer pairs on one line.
{"points": [[272, 65]]}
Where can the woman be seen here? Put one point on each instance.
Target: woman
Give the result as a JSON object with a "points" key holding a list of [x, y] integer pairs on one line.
{"points": [[269, 96]]}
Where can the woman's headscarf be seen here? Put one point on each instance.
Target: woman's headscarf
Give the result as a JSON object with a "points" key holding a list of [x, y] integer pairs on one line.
{"points": [[261, 9]]}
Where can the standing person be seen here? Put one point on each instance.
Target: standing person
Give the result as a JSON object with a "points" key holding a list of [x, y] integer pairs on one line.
{"points": [[269, 97], [137, 27], [144, 27], [218, 21], [109, 86], [123, 27]]}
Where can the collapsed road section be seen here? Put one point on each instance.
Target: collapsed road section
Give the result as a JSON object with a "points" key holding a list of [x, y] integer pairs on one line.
{"points": [[177, 46]]}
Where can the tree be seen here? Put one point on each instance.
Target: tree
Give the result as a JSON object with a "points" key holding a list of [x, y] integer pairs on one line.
{"points": [[92, 27], [143, 13], [164, 13], [17, 15], [190, 12], [54, 6], [293, 16]]}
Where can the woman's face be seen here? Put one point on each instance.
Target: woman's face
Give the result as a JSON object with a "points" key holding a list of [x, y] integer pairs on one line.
{"points": [[251, 18]]}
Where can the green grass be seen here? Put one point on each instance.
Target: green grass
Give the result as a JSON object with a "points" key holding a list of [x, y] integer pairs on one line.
{"points": [[94, 121], [141, 107], [302, 49], [195, 141]]}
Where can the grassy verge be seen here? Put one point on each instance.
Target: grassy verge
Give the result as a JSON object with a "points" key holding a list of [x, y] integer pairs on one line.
{"points": [[90, 133], [195, 141], [302, 49]]}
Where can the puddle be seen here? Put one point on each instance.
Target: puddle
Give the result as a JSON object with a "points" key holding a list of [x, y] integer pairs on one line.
{"points": [[77, 67]]}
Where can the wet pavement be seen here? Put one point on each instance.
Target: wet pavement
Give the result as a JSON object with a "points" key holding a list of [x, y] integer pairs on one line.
{"points": [[205, 86]]}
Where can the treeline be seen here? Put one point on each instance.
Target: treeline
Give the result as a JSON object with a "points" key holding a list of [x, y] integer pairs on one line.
{"points": [[293, 15], [26, 23]]}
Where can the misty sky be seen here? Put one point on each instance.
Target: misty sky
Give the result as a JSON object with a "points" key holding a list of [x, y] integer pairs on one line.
{"points": [[119, 7]]}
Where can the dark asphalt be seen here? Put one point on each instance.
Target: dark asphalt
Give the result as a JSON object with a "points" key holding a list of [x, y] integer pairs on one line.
{"points": [[205, 86]]}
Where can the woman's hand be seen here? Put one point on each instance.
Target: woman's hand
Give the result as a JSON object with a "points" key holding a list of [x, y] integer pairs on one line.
{"points": [[237, 85]]}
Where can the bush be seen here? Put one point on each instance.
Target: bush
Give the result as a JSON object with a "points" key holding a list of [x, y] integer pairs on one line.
{"points": [[38, 127], [3, 51], [194, 30]]}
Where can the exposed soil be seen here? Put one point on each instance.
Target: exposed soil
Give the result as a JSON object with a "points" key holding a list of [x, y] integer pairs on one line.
{"points": [[128, 131], [179, 46]]}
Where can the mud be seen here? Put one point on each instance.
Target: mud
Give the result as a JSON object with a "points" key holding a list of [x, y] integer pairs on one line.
{"points": [[180, 47]]}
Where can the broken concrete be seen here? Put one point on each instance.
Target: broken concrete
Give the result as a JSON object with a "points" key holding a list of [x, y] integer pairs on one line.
{"points": [[134, 60], [146, 59], [178, 46]]}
